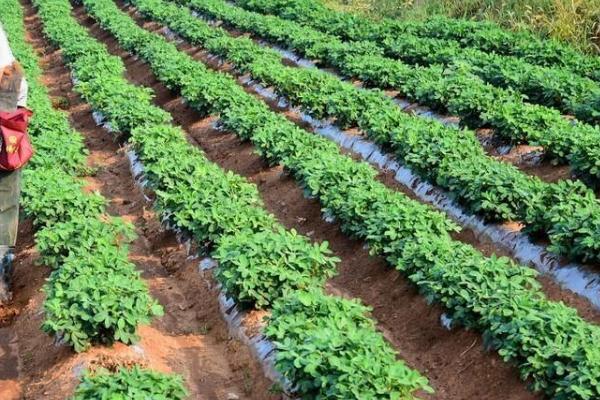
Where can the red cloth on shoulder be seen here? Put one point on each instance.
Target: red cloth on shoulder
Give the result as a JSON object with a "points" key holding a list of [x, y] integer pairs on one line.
{"points": [[16, 149]]}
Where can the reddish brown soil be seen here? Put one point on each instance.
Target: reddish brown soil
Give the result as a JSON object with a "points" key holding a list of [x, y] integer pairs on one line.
{"points": [[191, 339], [455, 361], [27, 279]]}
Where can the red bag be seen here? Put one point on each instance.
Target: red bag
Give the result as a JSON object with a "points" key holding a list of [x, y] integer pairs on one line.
{"points": [[16, 148]]}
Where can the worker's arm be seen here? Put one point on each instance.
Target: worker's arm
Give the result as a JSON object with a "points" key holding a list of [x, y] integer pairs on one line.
{"points": [[7, 58]]}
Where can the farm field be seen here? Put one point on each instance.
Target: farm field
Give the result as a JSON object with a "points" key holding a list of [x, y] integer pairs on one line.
{"points": [[269, 199]]}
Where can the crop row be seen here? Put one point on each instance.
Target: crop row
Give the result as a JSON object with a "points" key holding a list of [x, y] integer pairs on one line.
{"points": [[47, 128], [94, 293], [484, 36], [549, 86], [456, 90], [501, 299], [129, 383], [261, 264], [447, 156]]}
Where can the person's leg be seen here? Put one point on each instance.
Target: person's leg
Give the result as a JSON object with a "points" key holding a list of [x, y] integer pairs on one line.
{"points": [[10, 189]]}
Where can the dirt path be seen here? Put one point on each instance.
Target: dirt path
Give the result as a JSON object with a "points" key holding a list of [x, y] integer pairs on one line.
{"points": [[28, 278], [455, 361], [191, 339]]}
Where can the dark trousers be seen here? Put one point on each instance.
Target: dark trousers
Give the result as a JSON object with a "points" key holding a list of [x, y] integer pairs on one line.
{"points": [[10, 191]]}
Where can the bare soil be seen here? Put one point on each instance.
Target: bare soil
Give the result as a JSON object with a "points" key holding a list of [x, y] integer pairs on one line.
{"points": [[27, 279]]}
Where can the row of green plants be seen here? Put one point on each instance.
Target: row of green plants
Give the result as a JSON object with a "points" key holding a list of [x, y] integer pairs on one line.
{"points": [[135, 383], [70, 216], [551, 345], [485, 36], [456, 89], [446, 156], [94, 294], [261, 264], [549, 86]]}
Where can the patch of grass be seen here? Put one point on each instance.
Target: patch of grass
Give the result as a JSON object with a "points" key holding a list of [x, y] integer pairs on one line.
{"points": [[576, 22]]}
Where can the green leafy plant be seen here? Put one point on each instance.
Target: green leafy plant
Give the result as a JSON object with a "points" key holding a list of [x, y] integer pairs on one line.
{"points": [[451, 158], [483, 35], [194, 194], [320, 347], [258, 268], [75, 237], [490, 294], [98, 298], [129, 384], [81, 236]]}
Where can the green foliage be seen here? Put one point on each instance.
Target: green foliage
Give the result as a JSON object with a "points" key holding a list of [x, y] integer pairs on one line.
{"points": [[128, 109], [485, 36], [449, 157], [574, 22], [52, 196], [130, 384], [193, 193], [321, 347], [75, 238], [258, 268], [550, 86], [492, 294], [463, 86], [517, 321], [475, 290], [80, 236], [196, 194], [97, 297]]}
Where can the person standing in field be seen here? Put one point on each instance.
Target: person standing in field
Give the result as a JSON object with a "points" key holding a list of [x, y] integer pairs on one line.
{"points": [[13, 95]]}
